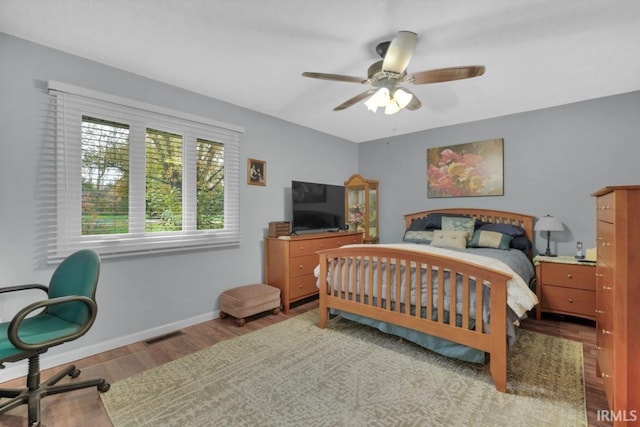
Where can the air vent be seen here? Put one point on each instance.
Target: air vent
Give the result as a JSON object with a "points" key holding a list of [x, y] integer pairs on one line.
{"points": [[163, 337]]}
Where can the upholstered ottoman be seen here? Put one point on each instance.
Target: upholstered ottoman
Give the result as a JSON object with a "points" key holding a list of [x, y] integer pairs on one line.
{"points": [[248, 300]]}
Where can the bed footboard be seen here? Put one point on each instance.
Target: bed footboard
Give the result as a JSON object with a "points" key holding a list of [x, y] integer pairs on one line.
{"points": [[380, 283]]}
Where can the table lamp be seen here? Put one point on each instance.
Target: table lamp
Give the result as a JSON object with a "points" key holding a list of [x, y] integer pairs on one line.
{"points": [[548, 223]]}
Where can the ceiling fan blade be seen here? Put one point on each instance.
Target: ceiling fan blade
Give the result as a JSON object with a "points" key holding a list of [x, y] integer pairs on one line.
{"points": [[334, 77], [446, 74], [348, 103], [400, 52]]}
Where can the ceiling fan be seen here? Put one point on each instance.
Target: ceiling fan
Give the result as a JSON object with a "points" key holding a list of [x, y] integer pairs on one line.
{"points": [[387, 75]]}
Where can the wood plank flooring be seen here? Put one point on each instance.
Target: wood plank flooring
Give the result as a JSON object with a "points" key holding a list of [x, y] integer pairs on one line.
{"points": [[84, 408]]}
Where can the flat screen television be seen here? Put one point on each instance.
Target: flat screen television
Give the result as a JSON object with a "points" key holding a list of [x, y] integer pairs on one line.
{"points": [[317, 207]]}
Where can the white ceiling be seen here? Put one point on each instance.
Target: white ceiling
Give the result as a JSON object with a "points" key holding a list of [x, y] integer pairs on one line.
{"points": [[538, 53]]}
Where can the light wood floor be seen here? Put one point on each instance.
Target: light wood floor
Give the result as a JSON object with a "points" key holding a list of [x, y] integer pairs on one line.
{"points": [[84, 408]]}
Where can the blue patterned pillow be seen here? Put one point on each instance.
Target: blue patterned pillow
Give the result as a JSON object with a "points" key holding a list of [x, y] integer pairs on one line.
{"points": [[434, 220], [459, 224], [418, 236]]}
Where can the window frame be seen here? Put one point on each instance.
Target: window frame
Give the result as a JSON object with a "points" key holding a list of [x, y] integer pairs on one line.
{"points": [[71, 104]]}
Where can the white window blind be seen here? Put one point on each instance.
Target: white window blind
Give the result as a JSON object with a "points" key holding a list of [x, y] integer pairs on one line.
{"points": [[135, 178]]}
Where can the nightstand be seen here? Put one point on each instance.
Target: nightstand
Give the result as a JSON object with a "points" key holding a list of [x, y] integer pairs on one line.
{"points": [[565, 286]]}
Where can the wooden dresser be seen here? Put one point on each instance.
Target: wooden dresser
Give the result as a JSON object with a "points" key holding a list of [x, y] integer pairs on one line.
{"points": [[618, 300], [290, 260], [565, 286]]}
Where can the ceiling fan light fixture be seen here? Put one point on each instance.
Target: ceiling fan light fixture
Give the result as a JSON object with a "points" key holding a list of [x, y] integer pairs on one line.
{"points": [[391, 108], [371, 105], [402, 98], [381, 98]]}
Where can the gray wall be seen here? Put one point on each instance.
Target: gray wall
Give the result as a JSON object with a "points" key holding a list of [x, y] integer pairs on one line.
{"points": [[553, 160], [143, 296]]}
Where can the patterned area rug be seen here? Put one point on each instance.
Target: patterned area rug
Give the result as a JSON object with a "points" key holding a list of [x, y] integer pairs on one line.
{"points": [[296, 374]]}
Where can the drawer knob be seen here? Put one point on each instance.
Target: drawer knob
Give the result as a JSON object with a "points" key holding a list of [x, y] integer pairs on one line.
{"points": [[570, 300], [301, 266], [605, 244], [569, 276], [598, 347], [605, 375], [599, 311], [606, 288], [599, 275], [606, 332]]}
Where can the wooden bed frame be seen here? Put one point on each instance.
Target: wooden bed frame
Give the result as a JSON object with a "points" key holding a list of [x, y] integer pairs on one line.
{"points": [[354, 301]]}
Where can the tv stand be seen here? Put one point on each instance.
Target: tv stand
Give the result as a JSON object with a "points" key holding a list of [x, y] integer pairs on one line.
{"points": [[290, 260]]}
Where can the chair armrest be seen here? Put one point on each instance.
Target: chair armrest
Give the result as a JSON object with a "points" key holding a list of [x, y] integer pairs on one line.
{"points": [[14, 325], [23, 288]]}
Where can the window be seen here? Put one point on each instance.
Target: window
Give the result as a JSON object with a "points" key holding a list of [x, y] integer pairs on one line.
{"points": [[134, 178], [105, 177]]}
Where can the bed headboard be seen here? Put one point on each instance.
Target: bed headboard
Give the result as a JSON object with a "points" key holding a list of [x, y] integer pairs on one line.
{"points": [[493, 216]]}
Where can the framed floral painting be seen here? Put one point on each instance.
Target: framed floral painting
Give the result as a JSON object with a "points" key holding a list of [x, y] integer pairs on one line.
{"points": [[466, 170]]}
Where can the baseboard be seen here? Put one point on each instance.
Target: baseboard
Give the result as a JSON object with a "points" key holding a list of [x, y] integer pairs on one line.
{"points": [[19, 369]]}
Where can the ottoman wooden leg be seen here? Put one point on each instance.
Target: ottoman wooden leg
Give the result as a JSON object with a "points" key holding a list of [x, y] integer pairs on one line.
{"points": [[276, 310], [223, 315], [240, 322]]}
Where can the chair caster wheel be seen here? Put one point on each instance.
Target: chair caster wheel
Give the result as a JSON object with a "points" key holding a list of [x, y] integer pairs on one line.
{"points": [[75, 373], [103, 388]]}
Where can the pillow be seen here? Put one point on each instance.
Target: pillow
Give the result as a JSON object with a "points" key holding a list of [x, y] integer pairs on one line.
{"points": [[490, 239], [418, 224], [450, 239], [521, 243], [457, 223], [511, 230], [434, 220], [418, 236]]}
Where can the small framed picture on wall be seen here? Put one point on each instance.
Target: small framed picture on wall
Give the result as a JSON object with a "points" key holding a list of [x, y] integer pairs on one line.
{"points": [[256, 172]]}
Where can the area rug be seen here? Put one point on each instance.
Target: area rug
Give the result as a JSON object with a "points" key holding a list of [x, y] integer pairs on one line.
{"points": [[296, 374]]}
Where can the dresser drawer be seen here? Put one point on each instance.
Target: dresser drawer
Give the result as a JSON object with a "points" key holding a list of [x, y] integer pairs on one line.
{"points": [[605, 282], [569, 300], [305, 247], [604, 305], [302, 265], [604, 353], [302, 286], [605, 207], [570, 276], [605, 242], [347, 240], [311, 246], [341, 240]]}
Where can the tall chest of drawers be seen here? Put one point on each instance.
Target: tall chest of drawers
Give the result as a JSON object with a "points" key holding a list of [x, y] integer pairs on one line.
{"points": [[618, 299], [290, 260]]}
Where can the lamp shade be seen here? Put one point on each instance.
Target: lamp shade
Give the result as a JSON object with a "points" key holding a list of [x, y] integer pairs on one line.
{"points": [[548, 223], [402, 98]]}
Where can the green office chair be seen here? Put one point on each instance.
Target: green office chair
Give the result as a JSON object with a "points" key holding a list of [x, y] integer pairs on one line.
{"points": [[66, 315]]}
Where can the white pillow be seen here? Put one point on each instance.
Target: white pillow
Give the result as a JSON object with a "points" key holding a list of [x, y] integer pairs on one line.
{"points": [[450, 239]]}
